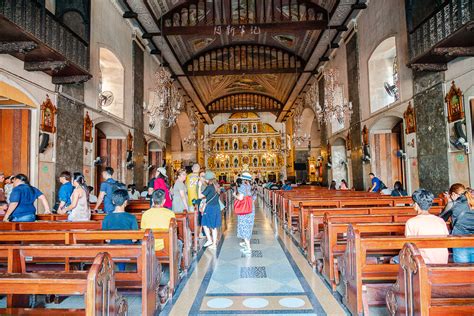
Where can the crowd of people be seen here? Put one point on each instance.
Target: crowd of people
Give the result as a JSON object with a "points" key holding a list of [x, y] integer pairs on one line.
{"points": [[198, 190]]}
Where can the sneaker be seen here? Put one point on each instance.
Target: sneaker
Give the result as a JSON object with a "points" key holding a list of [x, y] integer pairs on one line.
{"points": [[213, 247], [243, 244], [247, 251], [208, 243]]}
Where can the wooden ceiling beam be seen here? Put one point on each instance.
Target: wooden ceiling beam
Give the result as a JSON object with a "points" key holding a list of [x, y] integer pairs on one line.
{"points": [[244, 72], [21, 47], [281, 27]]}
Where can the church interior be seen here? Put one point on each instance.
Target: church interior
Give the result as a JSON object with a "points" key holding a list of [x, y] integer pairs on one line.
{"points": [[214, 157]]}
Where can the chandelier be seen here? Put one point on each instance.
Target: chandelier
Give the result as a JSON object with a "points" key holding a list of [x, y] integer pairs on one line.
{"points": [[168, 101], [192, 139], [335, 106], [298, 122]]}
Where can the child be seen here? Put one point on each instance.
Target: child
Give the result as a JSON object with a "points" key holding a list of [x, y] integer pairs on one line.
{"points": [[120, 220]]}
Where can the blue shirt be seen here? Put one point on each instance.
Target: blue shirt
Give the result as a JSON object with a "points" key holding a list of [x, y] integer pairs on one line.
{"points": [[377, 183], [108, 187], [120, 221], [65, 192], [25, 195]]}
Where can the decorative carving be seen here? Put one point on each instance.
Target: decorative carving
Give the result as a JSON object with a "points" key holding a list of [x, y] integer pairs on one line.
{"points": [[48, 111], [129, 141], [391, 298], [410, 119], [71, 79], [17, 47], [455, 104], [87, 133], [429, 67], [365, 136], [454, 51], [53, 66]]}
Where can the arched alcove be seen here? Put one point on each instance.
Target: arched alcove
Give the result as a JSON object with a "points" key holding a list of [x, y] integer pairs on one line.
{"points": [[386, 139], [383, 71], [339, 160], [112, 76]]}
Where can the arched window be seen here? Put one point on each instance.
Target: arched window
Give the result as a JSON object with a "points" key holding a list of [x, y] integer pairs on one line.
{"points": [[235, 129], [255, 162], [255, 145], [236, 145], [254, 128], [236, 162], [226, 145], [383, 75], [264, 144], [112, 76]]}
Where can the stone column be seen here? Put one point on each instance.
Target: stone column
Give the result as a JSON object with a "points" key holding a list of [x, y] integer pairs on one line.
{"points": [[70, 124], [138, 120], [324, 135], [355, 131], [431, 139]]}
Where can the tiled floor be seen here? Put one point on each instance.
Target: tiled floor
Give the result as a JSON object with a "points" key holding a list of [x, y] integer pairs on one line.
{"points": [[274, 279]]}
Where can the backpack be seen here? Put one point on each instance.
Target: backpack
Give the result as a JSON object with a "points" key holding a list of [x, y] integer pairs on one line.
{"points": [[118, 186]]}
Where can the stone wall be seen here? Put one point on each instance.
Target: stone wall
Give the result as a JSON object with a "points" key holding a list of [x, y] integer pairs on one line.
{"points": [[70, 124], [432, 144], [138, 134], [355, 129]]}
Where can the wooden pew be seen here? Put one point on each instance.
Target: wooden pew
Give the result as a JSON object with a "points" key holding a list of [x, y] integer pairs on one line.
{"points": [[50, 225], [333, 243], [27, 258], [423, 289], [367, 281], [97, 287], [315, 224]]}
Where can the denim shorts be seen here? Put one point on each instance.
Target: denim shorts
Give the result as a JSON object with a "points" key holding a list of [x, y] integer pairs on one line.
{"points": [[23, 218], [463, 255]]}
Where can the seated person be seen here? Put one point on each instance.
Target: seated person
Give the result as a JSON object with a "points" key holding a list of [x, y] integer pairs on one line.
{"points": [[287, 186], [119, 219], [398, 189], [3, 207], [426, 224], [159, 217], [92, 197]]}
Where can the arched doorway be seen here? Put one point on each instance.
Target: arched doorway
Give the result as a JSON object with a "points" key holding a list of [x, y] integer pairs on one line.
{"points": [[110, 151], [339, 160], [386, 140], [16, 130], [155, 157]]}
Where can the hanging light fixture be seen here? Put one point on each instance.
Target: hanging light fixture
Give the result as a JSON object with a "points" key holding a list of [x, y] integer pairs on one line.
{"points": [[298, 122], [336, 106], [191, 139]]}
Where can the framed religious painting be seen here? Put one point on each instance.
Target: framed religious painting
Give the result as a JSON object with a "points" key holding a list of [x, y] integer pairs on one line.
{"points": [[410, 119], [365, 135], [454, 102], [87, 134], [48, 113]]}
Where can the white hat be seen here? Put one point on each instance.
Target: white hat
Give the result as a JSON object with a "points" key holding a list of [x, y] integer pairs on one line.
{"points": [[162, 170], [246, 176]]}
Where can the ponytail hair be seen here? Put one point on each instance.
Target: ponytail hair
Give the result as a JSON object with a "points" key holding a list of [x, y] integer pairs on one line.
{"points": [[81, 180]]}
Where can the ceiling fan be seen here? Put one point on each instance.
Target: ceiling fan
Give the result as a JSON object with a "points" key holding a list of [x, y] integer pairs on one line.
{"points": [[106, 98]]}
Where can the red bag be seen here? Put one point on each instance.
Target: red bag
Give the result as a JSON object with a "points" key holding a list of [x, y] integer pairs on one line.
{"points": [[243, 207]]}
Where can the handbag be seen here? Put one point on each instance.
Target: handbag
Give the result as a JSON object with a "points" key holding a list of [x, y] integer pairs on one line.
{"points": [[244, 206]]}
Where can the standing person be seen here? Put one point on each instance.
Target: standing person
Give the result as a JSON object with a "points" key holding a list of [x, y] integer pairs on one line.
{"points": [[376, 183], [192, 183], [21, 207], [460, 209], [79, 209], [161, 183], [106, 189], [180, 194], [119, 219], [211, 217], [65, 191], [151, 185], [245, 222]]}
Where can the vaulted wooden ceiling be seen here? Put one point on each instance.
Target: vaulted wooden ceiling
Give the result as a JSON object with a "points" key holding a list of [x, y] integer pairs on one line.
{"points": [[259, 50]]}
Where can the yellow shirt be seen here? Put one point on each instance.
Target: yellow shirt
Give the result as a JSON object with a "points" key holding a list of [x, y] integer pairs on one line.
{"points": [[192, 180], [157, 218]]}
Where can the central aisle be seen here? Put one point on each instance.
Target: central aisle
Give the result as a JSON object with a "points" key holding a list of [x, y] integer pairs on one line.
{"points": [[275, 279]]}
